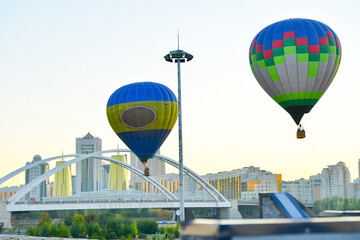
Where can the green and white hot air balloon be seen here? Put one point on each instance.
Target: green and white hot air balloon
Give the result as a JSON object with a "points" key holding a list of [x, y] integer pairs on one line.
{"points": [[295, 61]]}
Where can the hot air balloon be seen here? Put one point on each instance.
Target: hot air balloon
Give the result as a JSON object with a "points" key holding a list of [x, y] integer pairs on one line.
{"points": [[295, 61], [142, 115]]}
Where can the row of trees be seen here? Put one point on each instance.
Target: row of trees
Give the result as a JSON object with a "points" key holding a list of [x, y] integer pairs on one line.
{"points": [[336, 203], [103, 226], [159, 214]]}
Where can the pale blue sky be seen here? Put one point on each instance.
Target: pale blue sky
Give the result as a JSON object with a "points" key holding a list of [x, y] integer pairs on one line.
{"points": [[61, 60]]}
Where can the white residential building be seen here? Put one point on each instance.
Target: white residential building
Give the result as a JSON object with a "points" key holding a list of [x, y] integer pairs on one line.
{"points": [[42, 190], [88, 171], [335, 181], [300, 189]]}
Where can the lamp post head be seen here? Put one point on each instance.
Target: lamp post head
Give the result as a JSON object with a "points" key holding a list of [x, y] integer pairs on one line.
{"points": [[178, 55]]}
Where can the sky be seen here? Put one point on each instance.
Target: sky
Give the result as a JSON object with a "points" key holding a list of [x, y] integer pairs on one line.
{"points": [[61, 60]]}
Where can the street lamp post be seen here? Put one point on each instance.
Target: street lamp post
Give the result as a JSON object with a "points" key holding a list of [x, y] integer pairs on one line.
{"points": [[180, 56]]}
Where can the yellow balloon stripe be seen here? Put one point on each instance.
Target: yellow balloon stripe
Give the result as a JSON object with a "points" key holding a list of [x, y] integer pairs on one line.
{"points": [[166, 115]]}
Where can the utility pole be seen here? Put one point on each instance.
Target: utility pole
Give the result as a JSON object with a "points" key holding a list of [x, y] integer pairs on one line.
{"points": [[179, 56]]}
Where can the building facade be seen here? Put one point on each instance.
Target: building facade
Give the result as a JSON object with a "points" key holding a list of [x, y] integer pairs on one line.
{"points": [[118, 176], [42, 190], [7, 192], [105, 175], [62, 181], [316, 186], [300, 189], [156, 167], [88, 171], [335, 181], [245, 183]]}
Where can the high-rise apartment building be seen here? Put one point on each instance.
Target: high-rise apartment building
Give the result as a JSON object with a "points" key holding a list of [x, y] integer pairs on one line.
{"points": [[42, 190], [300, 189], [244, 183], [156, 167], [118, 177], [316, 186], [105, 175], [335, 181], [62, 181], [88, 171]]}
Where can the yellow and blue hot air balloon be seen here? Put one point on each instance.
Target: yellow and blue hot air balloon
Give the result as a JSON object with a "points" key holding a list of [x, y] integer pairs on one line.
{"points": [[142, 115]]}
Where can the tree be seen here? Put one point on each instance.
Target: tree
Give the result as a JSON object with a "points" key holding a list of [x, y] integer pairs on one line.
{"points": [[68, 220], [160, 214], [53, 230], [78, 217], [111, 235], [120, 227], [110, 227], [91, 217], [144, 212], [63, 231], [147, 226], [346, 204], [44, 217], [134, 229], [45, 230], [75, 229], [82, 230], [32, 231], [93, 228], [104, 217]]}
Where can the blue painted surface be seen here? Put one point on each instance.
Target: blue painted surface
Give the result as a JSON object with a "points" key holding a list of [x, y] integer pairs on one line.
{"points": [[289, 206], [142, 91], [144, 143]]}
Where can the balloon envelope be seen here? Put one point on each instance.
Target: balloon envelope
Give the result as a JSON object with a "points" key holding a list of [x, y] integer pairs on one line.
{"points": [[142, 115], [295, 61]]}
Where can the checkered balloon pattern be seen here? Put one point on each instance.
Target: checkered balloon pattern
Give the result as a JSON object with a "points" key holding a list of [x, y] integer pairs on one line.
{"points": [[295, 61]]}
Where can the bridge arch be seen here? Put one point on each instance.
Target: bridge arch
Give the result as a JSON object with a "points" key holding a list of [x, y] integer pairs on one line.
{"points": [[22, 192], [17, 196]]}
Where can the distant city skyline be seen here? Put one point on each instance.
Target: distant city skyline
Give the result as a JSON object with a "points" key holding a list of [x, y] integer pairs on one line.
{"points": [[61, 60], [244, 184]]}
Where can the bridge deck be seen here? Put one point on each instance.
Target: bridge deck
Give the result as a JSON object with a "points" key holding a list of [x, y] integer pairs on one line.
{"points": [[116, 205]]}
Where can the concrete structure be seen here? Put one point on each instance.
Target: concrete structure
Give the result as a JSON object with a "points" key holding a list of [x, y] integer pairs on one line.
{"points": [[62, 181], [118, 177], [5, 216], [42, 190], [88, 172], [344, 228], [335, 180]]}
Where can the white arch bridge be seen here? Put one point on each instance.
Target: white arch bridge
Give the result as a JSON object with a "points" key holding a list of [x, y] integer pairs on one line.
{"points": [[205, 197]]}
